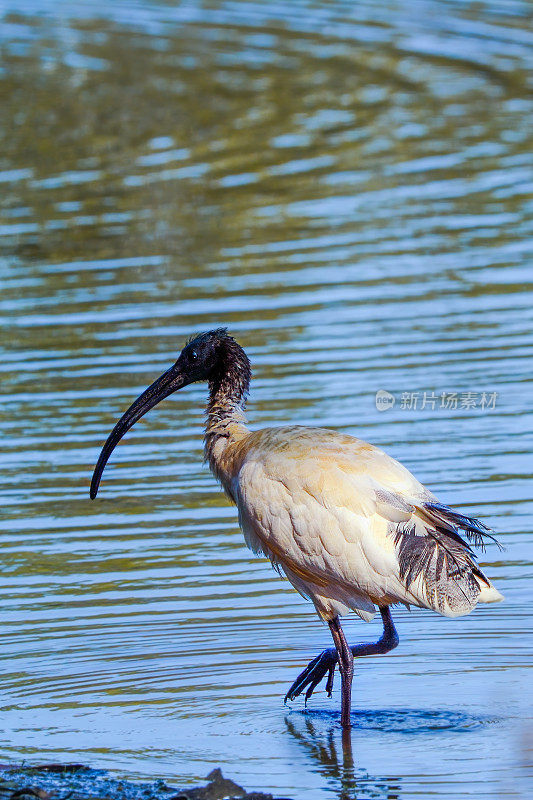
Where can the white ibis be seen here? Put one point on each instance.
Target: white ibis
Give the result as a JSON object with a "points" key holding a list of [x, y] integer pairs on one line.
{"points": [[349, 526]]}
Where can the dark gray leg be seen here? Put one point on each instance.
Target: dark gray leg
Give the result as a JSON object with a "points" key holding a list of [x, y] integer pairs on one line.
{"points": [[345, 659], [325, 663]]}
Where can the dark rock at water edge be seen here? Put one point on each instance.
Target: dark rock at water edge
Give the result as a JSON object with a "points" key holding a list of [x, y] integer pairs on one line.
{"points": [[78, 782]]}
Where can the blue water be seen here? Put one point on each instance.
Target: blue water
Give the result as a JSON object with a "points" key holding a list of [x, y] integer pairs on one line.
{"points": [[347, 187]]}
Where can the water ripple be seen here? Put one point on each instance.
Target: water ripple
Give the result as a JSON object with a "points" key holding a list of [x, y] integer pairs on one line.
{"points": [[348, 187]]}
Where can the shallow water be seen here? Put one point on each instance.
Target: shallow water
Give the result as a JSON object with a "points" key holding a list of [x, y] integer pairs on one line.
{"points": [[347, 186]]}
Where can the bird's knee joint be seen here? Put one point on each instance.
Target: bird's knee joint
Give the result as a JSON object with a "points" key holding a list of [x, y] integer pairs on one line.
{"points": [[329, 656]]}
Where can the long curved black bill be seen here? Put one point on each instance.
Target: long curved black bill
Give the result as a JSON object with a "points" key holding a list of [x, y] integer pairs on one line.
{"points": [[166, 384]]}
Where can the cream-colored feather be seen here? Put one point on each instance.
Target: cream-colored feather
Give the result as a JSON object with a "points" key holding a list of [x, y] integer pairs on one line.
{"points": [[326, 509]]}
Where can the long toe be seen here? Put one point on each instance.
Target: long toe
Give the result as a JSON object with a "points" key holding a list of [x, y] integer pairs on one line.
{"points": [[318, 668]]}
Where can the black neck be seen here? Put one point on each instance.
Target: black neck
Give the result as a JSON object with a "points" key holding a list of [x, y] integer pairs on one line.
{"points": [[230, 382]]}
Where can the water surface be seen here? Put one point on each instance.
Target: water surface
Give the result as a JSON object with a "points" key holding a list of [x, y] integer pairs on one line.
{"points": [[348, 187]]}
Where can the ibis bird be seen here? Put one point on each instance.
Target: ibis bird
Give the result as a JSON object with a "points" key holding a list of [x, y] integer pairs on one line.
{"points": [[349, 526]]}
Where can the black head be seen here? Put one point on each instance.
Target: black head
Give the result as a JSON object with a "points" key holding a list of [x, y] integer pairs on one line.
{"points": [[200, 359], [204, 358]]}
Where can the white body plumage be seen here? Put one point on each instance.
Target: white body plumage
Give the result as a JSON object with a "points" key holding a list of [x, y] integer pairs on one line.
{"points": [[326, 509]]}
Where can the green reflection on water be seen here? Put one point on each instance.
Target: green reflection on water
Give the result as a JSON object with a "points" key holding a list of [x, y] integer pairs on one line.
{"points": [[348, 189]]}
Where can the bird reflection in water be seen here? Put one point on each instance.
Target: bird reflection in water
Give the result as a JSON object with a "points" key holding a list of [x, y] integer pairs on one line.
{"points": [[331, 747]]}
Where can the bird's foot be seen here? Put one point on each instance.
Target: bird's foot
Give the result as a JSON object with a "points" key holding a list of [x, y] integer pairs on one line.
{"points": [[324, 664]]}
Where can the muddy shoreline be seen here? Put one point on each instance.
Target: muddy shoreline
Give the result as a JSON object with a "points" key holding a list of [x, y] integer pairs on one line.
{"points": [[79, 782]]}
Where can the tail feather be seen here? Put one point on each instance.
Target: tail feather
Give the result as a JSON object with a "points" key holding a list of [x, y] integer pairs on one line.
{"points": [[436, 561], [475, 530], [489, 594]]}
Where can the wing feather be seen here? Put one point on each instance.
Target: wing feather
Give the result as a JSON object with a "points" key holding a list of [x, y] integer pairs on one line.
{"points": [[351, 527]]}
